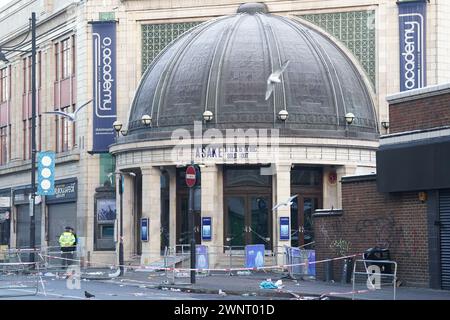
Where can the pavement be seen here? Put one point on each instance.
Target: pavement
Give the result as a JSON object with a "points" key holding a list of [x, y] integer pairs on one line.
{"points": [[249, 286]]}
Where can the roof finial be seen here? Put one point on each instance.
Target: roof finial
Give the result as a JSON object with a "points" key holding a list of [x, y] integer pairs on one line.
{"points": [[253, 7]]}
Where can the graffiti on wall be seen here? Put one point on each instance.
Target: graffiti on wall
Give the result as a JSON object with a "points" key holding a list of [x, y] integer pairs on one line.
{"points": [[384, 231]]}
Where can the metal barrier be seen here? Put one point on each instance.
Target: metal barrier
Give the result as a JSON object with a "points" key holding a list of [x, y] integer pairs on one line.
{"points": [[19, 279], [57, 261], [300, 262], [178, 257], [367, 275]]}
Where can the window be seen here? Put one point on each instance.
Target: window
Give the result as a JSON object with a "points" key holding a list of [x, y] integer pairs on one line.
{"points": [[66, 59], [26, 116], [64, 69], [65, 132], [4, 85], [3, 145]]}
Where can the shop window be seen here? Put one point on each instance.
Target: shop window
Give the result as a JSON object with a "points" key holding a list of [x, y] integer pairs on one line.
{"points": [[104, 224]]}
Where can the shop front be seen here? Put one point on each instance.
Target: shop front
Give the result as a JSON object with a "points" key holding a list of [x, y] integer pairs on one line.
{"points": [[61, 209], [5, 218], [22, 221]]}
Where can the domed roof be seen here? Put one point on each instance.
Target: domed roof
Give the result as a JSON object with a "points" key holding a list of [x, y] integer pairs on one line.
{"points": [[223, 65]]}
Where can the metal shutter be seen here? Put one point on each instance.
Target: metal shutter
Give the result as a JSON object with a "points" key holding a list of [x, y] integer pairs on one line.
{"points": [[60, 216], [444, 210]]}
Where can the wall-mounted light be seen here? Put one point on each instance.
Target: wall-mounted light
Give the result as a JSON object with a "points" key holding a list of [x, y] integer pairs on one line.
{"points": [[124, 132], [349, 117], [146, 120], [117, 125], [283, 115], [422, 196], [385, 124], [207, 115]]}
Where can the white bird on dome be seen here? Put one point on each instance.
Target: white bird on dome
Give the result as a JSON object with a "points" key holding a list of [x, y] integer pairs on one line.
{"points": [[286, 203], [275, 78], [69, 115]]}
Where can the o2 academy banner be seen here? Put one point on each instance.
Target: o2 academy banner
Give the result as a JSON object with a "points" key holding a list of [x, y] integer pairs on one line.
{"points": [[412, 20], [104, 80]]}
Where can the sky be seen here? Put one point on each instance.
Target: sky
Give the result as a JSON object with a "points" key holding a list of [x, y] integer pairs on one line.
{"points": [[3, 2]]}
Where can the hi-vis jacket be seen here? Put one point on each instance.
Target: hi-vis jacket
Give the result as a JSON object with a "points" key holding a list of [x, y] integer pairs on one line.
{"points": [[67, 239]]}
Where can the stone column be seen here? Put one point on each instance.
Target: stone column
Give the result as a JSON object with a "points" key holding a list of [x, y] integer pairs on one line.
{"points": [[282, 192], [151, 208], [210, 203], [128, 217]]}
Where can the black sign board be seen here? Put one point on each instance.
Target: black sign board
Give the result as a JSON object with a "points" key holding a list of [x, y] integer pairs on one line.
{"points": [[21, 196], [65, 191]]}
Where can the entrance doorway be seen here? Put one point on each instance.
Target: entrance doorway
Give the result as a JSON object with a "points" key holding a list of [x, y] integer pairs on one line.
{"points": [[183, 229], [306, 183], [248, 220], [302, 209], [247, 207]]}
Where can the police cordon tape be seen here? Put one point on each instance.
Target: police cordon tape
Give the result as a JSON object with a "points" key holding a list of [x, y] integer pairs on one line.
{"points": [[283, 266]]}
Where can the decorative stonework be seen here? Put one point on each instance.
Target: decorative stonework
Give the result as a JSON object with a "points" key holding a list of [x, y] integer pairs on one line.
{"points": [[356, 30], [155, 37]]}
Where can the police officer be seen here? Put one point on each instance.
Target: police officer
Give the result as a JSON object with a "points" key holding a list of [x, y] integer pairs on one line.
{"points": [[67, 242]]}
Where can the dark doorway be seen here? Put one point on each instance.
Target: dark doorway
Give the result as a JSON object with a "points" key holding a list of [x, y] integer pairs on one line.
{"points": [[306, 183], [247, 207], [183, 231], [165, 210]]}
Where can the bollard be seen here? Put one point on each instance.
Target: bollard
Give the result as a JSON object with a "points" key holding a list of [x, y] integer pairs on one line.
{"points": [[329, 271]]}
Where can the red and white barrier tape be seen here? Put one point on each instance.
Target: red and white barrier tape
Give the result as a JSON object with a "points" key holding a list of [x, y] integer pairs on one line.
{"points": [[284, 266]]}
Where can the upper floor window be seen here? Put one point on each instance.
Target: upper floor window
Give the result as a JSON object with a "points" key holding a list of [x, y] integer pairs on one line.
{"points": [[65, 58], [3, 145], [4, 85]]}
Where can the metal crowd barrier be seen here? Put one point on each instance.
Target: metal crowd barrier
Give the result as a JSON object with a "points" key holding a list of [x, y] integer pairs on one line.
{"points": [[298, 261], [368, 277], [177, 257], [19, 279]]}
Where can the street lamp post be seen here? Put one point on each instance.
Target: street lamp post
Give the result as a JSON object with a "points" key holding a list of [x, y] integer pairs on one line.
{"points": [[118, 126], [33, 133], [33, 127]]}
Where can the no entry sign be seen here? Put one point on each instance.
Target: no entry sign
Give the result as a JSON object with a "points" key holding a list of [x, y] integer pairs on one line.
{"points": [[191, 176]]}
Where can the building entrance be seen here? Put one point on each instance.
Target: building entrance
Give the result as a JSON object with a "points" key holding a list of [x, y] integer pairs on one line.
{"points": [[247, 207], [306, 183], [248, 219]]}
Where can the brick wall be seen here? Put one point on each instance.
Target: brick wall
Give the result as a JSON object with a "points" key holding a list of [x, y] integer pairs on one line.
{"points": [[420, 114], [395, 221]]}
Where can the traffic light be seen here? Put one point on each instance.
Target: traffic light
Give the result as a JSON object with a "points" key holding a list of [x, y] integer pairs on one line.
{"points": [[46, 173]]}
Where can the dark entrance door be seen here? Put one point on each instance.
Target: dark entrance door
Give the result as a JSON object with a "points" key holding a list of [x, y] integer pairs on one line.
{"points": [[306, 183], [302, 232], [184, 233], [183, 230], [247, 207], [248, 220]]}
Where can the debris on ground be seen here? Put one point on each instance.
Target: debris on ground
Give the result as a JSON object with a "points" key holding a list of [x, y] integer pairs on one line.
{"points": [[268, 284], [222, 293]]}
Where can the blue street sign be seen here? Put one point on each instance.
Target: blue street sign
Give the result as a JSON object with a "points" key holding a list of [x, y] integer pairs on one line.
{"points": [[46, 173]]}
